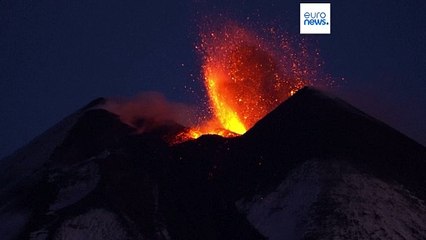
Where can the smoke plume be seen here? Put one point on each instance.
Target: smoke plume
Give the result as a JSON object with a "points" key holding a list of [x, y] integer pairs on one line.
{"points": [[150, 110]]}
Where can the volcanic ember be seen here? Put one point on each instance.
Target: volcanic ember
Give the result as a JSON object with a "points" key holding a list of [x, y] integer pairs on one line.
{"points": [[248, 73]]}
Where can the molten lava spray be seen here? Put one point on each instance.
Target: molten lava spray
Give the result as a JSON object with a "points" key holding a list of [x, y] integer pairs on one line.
{"points": [[247, 74]]}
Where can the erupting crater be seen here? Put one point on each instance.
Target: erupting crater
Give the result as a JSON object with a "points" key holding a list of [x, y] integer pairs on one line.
{"points": [[247, 74]]}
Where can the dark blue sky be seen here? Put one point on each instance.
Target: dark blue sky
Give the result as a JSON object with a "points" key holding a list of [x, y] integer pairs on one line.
{"points": [[57, 55]]}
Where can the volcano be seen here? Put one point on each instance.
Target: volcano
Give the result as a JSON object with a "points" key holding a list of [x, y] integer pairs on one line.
{"points": [[313, 168]]}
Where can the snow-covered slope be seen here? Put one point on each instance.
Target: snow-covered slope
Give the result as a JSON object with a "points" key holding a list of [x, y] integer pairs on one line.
{"points": [[332, 200], [32, 156], [22, 170]]}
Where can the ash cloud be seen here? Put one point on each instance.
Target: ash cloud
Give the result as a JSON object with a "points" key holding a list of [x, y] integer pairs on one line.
{"points": [[149, 110]]}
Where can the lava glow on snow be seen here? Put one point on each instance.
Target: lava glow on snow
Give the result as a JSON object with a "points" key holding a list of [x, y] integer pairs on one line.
{"points": [[247, 74]]}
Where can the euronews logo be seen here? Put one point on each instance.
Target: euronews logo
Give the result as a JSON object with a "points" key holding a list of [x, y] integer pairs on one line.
{"points": [[315, 18]]}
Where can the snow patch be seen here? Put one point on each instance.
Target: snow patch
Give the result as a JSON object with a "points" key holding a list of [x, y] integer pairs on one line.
{"points": [[96, 224], [333, 200], [75, 184], [369, 208], [41, 234], [279, 214]]}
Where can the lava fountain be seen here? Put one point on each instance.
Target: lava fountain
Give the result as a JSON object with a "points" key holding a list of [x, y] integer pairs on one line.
{"points": [[247, 74]]}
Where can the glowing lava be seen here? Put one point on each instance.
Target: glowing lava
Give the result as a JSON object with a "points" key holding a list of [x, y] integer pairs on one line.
{"points": [[247, 75]]}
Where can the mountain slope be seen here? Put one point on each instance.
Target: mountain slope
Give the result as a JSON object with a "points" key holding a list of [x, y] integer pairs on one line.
{"points": [[316, 125], [314, 168]]}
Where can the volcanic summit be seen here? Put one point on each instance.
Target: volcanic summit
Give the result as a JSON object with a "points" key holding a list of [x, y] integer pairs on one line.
{"points": [[313, 168]]}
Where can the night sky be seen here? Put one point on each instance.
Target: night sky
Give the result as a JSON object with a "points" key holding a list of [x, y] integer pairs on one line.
{"points": [[57, 55]]}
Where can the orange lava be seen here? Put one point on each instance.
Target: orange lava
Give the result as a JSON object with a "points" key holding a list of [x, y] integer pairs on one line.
{"points": [[247, 74]]}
